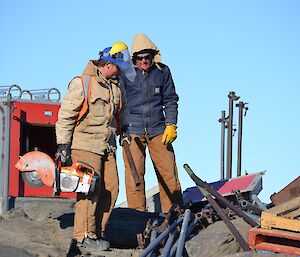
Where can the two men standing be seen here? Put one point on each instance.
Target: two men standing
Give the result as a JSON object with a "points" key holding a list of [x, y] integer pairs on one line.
{"points": [[89, 135]]}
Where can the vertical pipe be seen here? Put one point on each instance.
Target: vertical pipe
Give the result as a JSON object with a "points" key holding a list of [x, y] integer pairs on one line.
{"points": [[232, 97], [241, 106], [222, 120], [182, 237], [6, 157]]}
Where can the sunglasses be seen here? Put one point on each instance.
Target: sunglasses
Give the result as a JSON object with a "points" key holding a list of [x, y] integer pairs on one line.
{"points": [[146, 57]]}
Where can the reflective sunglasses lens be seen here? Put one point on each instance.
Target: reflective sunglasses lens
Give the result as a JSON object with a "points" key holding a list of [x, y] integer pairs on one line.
{"points": [[147, 57]]}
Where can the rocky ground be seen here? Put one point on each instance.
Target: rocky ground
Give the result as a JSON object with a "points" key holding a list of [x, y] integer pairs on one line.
{"points": [[46, 231]]}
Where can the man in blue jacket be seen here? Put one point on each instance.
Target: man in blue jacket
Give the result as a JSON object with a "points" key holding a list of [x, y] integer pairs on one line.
{"points": [[152, 112]]}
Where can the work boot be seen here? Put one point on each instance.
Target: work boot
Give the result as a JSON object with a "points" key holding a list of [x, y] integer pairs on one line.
{"points": [[98, 244]]}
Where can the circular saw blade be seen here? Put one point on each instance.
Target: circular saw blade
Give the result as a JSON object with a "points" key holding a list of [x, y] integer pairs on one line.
{"points": [[32, 179]]}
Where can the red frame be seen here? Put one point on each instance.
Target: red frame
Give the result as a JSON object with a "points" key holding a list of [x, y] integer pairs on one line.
{"points": [[34, 115]]}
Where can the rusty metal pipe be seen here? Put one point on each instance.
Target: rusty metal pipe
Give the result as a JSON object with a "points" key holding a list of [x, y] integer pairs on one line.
{"points": [[228, 223], [249, 206], [202, 185], [132, 166]]}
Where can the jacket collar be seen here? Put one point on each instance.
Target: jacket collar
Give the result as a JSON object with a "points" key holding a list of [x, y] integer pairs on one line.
{"points": [[92, 70]]}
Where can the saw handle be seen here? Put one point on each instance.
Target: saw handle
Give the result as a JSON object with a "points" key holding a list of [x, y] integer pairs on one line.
{"points": [[84, 167]]}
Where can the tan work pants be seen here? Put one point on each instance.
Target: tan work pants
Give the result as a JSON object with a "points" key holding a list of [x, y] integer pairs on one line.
{"points": [[92, 211], [163, 159]]}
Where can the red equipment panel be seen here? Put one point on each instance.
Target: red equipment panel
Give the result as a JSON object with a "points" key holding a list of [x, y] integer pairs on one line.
{"points": [[32, 127]]}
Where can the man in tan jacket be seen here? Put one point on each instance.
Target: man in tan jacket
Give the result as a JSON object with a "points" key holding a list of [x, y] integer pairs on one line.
{"points": [[90, 138]]}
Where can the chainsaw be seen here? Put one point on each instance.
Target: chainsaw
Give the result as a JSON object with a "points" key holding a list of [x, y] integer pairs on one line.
{"points": [[40, 169]]}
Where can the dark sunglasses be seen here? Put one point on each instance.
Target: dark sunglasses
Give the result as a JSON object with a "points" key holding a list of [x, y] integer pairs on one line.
{"points": [[146, 57]]}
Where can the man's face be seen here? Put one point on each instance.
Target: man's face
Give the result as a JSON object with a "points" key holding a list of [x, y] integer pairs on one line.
{"points": [[110, 70], [144, 61]]}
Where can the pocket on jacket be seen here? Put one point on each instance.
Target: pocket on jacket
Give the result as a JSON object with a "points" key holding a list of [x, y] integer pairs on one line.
{"points": [[99, 108], [156, 90]]}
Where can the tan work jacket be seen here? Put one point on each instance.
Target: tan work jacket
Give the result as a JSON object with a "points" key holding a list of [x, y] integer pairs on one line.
{"points": [[93, 132]]}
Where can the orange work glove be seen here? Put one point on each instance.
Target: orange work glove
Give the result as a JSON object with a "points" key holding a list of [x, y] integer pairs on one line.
{"points": [[169, 134]]}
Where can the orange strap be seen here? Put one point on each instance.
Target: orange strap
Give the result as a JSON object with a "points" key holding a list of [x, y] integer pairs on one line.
{"points": [[86, 80]]}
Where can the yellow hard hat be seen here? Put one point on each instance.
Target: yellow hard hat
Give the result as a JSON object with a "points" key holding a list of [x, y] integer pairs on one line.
{"points": [[118, 47]]}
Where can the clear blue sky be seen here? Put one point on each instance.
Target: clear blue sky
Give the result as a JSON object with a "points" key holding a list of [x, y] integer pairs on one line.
{"points": [[212, 47]]}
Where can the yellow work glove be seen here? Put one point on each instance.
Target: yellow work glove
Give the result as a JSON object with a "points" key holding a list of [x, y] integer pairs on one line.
{"points": [[169, 134]]}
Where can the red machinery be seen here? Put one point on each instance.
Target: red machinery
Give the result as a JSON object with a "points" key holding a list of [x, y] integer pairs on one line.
{"points": [[28, 125]]}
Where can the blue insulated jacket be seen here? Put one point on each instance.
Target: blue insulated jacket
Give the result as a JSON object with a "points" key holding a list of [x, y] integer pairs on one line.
{"points": [[151, 101]]}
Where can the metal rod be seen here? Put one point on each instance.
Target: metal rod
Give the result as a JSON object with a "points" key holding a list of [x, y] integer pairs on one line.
{"points": [[161, 237], [232, 97], [153, 235], [190, 229], [241, 106], [169, 243], [5, 112], [222, 120], [182, 237], [228, 223], [202, 185], [132, 166], [249, 206], [259, 203]]}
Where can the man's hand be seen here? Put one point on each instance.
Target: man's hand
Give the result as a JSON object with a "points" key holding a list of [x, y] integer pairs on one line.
{"points": [[125, 137], [169, 134], [64, 153]]}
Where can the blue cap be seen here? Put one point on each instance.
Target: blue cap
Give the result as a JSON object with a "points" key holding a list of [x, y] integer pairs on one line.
{"points": [[116, 59]]}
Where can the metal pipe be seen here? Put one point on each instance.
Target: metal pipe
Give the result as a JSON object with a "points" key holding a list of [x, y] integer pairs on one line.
{"points": [[6, 91], [259, 203], [182, 236], [169, 243], [232, 97], [190, 229], [153, 235], [202, 185], [228, 223], [161, 237], [222, 120], [131, 163], [241, 106]]}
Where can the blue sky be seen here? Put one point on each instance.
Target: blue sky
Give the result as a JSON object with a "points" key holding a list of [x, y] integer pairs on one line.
{"points": [[212, 48]]}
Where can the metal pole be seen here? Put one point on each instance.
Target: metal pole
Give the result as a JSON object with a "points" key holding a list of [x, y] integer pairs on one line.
{"points": [[190, 229], [162, 236], [241, 106], [168, 245], [228, 223], [222, 120], [153, 235], [204, 186], [131, 163], [182, 237], [232, 97], [5, 109]]}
